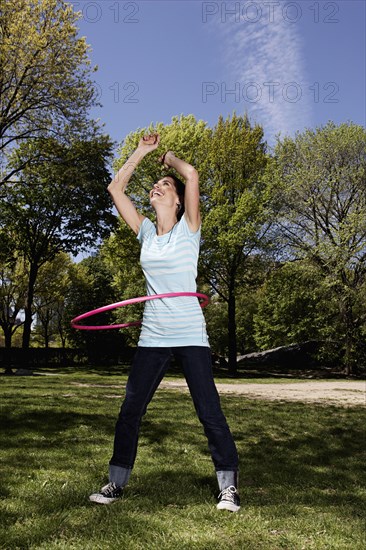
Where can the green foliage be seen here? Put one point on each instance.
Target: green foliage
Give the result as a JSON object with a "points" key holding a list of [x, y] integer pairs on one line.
{"points": [[246, 301], [91, 287], [236, 201], [320, 175], [246, 307], [216, 321], [80, 298], [13, 290], [308, 202], [238, 214], [45, 87], [120, 255], [53, 157], [234, 195], [61, 204], [185, 136], [52, 285], [293, 306]]}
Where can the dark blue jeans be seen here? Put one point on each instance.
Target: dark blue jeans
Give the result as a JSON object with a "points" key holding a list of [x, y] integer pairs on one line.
{"points": [[147, 371]]}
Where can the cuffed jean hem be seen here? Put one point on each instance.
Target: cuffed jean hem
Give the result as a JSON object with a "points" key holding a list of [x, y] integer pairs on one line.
{"points": [[226, 478], [119, 475]]}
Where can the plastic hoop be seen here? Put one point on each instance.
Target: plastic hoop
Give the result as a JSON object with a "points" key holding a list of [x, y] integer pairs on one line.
{"points": [[204, 303]]}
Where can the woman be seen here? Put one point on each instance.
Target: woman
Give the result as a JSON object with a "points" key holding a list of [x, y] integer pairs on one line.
{"points": [[176, 326]]}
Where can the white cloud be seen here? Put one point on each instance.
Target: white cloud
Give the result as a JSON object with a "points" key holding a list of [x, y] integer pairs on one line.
{"points": [[269, 54]]}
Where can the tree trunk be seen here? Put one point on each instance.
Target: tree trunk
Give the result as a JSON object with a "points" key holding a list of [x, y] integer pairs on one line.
{"points": [[349, 359], [28, 306], [7, 359], [349, 355], [232, 334], [8, 333]]}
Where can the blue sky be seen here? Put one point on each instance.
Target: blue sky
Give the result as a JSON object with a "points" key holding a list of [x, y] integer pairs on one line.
{"points": [[290, 65]]}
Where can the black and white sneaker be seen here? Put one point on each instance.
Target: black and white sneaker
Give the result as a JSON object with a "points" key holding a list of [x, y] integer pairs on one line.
{"points": [[229, 499], [108, 494]]}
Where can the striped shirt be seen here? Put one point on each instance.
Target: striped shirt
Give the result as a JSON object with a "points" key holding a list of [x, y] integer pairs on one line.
{"points": [[169, 263]]}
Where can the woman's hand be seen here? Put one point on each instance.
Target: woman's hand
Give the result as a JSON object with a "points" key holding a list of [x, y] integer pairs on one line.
{"points": [[149, 143], [165, 159]]}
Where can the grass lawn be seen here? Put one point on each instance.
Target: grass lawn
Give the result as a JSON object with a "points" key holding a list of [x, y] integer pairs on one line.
{"points": [[302, 475]]}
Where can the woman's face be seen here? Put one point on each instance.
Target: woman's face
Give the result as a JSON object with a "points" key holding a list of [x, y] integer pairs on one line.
{"points": [[164, 192]]}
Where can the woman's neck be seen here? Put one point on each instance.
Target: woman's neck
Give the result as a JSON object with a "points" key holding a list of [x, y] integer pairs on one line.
{"points": [[165, 224]]}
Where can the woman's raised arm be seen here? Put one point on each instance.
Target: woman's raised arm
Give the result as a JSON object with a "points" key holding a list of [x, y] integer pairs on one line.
{"points": [[192, 192], [118, 185]]}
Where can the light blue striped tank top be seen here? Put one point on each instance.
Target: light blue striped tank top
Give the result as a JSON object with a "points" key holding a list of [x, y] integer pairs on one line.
{"points": [[169, 263]]}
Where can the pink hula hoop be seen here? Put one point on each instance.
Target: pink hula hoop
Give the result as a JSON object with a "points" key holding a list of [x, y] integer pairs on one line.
{"points": [[127, 303]]}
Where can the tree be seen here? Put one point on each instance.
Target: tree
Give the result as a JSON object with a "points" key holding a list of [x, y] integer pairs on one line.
{"points": [[120, 255], [49, 298], [293, 306], [238, 212], [45, 85], [186, 137], [58, 205], [13, 292], [91, 287], [236, 198], [246, 301], [321, 175]]}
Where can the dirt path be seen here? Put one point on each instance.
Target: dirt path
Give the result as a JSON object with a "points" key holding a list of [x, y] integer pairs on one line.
{"points": [[343, 392]]}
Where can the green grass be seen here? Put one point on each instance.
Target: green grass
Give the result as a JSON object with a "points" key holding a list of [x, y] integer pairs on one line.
{"points": [[302, 476]]}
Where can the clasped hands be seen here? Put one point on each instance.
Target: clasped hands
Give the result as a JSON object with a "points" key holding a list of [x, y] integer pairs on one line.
{"points": [[150, 143]]}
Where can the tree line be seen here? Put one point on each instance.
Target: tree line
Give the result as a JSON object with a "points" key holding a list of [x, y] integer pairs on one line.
{"points": [[283, 253]]}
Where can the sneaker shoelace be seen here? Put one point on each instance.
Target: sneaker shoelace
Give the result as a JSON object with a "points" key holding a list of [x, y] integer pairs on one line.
{"points": [[228, 493], [109, 489]]}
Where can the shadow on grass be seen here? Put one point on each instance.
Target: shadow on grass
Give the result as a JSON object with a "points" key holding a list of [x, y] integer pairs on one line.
{"points": [[304, 455], [56, 439], [290, 454], [47, 424], [49, 439]]}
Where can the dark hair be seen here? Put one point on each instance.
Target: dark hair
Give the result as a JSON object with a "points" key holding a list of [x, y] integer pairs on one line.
{"points": [[180, 189]]}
